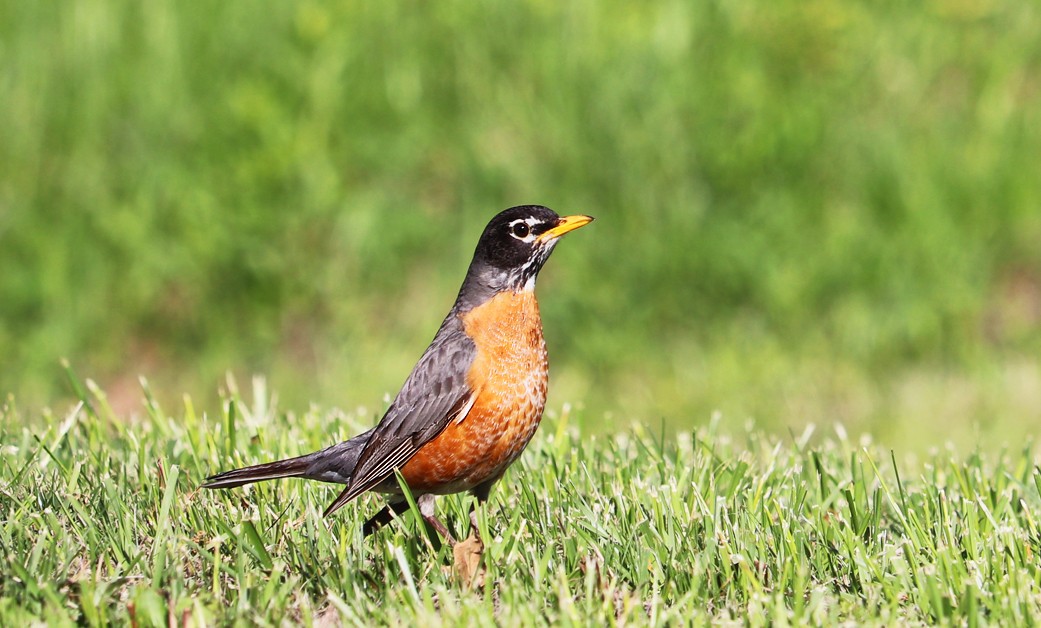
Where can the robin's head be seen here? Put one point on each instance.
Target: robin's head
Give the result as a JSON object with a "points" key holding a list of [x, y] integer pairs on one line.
{"points": [[515, 245]]}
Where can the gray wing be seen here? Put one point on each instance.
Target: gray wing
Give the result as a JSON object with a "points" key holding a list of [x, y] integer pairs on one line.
{"points": [[435, 393]]}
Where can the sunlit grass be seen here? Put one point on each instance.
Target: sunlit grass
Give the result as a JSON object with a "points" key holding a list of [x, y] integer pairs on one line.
{"points": [[101, 520]]}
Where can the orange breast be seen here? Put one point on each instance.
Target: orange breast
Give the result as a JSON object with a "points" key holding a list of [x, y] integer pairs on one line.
{"points": [[510, 374]]}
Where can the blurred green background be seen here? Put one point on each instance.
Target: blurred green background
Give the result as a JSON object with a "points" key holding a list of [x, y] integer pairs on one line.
{"points": [[808, 211]]}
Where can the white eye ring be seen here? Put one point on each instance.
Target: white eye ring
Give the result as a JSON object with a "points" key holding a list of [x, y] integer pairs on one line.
{"points": [[522, 229]]}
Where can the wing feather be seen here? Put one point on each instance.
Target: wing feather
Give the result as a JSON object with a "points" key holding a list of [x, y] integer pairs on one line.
{"points": [[435, 393]]}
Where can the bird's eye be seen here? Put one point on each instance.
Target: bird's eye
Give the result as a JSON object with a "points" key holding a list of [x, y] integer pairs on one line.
{"points": [[520, 230]]}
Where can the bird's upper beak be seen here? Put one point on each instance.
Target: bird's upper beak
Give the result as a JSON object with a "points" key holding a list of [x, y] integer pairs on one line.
{"points": [[566, 223]]}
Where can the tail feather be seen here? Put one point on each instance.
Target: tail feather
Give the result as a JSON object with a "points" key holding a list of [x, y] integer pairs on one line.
{"points": [[294, 467], [333, 464]]}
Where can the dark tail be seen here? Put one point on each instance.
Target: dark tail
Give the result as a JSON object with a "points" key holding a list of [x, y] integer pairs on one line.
{"points": [[333, 464], [294, 467]]}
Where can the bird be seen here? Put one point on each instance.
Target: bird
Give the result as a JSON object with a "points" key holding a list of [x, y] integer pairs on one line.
{"points": [[473, 401]]}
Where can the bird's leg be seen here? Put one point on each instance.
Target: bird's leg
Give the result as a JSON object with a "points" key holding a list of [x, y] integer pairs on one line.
{"points": [[426, 509], [475, 531], [480, 492]]}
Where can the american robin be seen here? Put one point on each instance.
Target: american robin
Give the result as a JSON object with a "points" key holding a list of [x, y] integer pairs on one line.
{"points": [[474, 399]]}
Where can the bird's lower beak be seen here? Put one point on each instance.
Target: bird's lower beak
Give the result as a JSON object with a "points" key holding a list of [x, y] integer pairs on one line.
{"points": [[567, 223]]}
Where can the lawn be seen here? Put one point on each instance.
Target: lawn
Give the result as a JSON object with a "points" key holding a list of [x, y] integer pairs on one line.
{"points": [[101, 520], [794, 362]]}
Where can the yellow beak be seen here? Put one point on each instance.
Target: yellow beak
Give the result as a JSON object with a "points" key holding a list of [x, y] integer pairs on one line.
{"points": [[567, 223]]}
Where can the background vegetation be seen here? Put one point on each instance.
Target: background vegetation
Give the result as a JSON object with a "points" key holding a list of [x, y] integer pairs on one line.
{"points": [[824, 211]]}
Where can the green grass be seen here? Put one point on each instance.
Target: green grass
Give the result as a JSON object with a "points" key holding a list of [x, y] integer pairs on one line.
{"points": [[809, 212], [101, 520]]}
